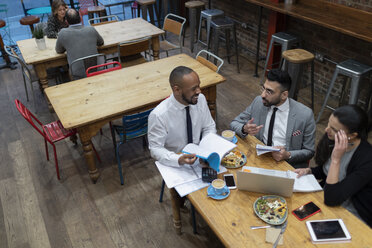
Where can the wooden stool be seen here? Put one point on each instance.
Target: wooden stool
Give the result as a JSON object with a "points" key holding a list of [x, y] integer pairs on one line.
{"points": [[30, 20], [8, 64], [296, 59], [99, 10], [144, 5], [194, 7]]}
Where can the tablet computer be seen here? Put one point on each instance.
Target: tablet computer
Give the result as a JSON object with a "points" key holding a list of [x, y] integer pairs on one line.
{"points": [[324, 231]]}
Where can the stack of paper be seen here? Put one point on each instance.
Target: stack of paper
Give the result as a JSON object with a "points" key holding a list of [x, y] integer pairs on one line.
{"points": [[186, 178], [260, 149]]}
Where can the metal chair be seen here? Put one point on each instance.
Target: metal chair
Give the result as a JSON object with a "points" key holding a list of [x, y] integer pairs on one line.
{"points": [[129, 52], [106, 67], [80, 65], [27, 74], [173, 24], [215, 66], [103, 20], [52, 132], [134, 126]]}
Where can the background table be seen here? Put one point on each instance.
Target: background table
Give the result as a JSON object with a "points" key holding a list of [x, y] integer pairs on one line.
{"points": [[231, 218], [112, 34], [90, 103]]}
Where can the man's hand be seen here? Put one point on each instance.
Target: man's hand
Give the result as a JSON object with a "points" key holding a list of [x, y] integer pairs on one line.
{"points": [[302, 171], [280, 155], [251, 128], [187, 159]]}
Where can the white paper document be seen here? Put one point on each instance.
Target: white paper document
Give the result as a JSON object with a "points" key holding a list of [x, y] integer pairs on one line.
{"points": [[306, 183], [174, 176], [260, 149], [187, 188]]}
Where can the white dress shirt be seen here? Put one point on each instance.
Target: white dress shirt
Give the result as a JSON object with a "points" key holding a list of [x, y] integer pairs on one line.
{"points": [[167, 131], [280, 124]]}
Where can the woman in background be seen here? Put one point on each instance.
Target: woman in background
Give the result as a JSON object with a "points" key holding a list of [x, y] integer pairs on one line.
{"points": [[57, 21], [344, 159]]}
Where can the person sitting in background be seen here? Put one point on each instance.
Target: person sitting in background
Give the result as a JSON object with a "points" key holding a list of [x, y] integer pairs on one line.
{"points": [[57, 20], [344, 159], [279, 121], [78, 41]]}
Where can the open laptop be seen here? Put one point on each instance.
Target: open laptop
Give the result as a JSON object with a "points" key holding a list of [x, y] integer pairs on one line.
{"points": [[261, 181]]}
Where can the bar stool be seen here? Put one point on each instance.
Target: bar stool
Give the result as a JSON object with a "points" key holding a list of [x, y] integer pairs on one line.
{"points": [[30, 20], [99, 10], [145, 6], [224, 24], [296, 59], [208, 15], [195, 8], [355, 71], [285, 40]]}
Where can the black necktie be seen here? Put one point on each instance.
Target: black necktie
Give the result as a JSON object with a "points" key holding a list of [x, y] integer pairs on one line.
{"points": [[189, 125], [271, 126]]}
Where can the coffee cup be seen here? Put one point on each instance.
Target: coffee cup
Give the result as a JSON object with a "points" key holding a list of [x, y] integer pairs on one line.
{"points": [[219, 186], [228, 134]]}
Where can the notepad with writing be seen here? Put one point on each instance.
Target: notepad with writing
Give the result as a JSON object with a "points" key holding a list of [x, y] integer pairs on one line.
{"points": [[211, 148]]}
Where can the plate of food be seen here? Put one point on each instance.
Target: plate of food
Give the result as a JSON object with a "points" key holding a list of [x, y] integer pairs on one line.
{"points": [[271, 208], [234, 159]]}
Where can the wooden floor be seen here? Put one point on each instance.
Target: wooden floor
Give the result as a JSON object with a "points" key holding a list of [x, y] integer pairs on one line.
{"points": [[37, 210]]}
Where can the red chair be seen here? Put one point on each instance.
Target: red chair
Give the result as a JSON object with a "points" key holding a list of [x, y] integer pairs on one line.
{"points": [[52, 132], [97, 72]]}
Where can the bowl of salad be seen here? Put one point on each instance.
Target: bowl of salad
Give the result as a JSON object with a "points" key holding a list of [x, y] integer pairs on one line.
{"points": [[271, 208]]}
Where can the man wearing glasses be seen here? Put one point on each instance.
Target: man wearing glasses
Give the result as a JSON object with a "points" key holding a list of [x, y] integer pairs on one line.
{"points": [[279, 121]]}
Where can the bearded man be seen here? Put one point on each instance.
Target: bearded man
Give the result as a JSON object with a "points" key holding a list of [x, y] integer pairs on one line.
{"points": [[182, 118], [279, 121]]}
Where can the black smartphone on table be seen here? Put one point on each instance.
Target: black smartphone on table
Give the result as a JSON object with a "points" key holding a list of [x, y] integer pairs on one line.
{"points": [[305, 211]]}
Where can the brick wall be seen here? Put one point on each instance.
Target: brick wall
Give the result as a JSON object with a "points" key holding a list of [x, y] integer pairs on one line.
{"points": [[335, 46]]}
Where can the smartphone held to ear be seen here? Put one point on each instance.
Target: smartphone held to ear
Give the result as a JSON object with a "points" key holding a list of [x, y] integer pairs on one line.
{"points": [[305, 211], [230, 181]]}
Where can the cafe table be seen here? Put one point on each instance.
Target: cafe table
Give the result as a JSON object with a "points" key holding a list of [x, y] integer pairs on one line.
{"points": [[112, 34], [232, 217], [88, 104]]}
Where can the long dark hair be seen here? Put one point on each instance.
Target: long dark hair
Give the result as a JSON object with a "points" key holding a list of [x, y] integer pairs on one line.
{"points": [[354, 119]]}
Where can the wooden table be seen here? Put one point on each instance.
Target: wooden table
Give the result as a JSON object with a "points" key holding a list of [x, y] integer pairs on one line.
{"points": [[231, 218], [88, 104], [112, 34], [343, 19]]}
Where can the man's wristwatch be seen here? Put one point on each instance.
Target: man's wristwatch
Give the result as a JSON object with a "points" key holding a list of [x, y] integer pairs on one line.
{"points": [[243, 130]]}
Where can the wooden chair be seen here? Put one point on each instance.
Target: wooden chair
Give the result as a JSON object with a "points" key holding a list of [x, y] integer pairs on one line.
{"points": [[87, 7], [52, 132], [82, 64], [172, 24], [133, 126], [215, 66], [103, 20], [129, 52]]}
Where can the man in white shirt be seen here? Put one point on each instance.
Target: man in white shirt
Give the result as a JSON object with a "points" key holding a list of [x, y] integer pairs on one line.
{"points": [[293, 125], [167, 128]]}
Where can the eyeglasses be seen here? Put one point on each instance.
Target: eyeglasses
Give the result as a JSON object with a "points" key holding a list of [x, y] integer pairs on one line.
{"points": [[267, 91]]}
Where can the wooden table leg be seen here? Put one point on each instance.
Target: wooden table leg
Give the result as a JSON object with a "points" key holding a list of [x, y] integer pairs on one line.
{"points": [[41, 72], [176, 210], [85, 139], [155, 47]]}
